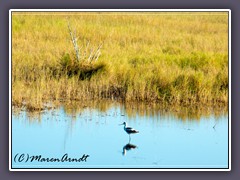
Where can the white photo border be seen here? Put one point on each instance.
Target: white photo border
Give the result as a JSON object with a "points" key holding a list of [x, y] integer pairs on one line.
{"points": [[119, 169]]}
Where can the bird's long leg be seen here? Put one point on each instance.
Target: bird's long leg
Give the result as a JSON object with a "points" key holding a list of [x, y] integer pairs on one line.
{"points": [[129, 138]]}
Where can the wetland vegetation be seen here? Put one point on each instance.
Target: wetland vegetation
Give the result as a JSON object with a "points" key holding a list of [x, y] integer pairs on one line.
{"points": [[176, 59]]}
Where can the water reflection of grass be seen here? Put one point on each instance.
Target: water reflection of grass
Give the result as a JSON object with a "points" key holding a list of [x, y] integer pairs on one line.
{"points": [[131, 110], [174, 59]]}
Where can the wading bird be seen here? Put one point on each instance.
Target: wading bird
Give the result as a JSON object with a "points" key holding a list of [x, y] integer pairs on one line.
{"points": [[129, 130]]}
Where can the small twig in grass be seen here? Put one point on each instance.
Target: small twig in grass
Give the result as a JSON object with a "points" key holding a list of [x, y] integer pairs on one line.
{"points": [[90, 56], [97, 54], [74, 41]]}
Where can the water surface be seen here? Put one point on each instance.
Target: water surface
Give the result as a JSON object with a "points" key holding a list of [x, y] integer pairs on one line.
{"points": [[166, 139]]}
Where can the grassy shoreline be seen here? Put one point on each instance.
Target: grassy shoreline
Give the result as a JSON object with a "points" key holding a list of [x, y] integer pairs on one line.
{"points": [[169, 59], [129, 109]]}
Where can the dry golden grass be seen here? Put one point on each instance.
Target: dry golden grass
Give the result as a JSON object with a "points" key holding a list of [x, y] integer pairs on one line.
{"points": [[172, 58]]}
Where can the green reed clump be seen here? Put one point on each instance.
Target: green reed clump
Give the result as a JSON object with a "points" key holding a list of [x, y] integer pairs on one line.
{"points": [[221, 81], [196, 61], [83, 70]]}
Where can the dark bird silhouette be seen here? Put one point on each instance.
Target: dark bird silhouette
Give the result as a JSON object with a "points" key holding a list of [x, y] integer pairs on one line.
{"points": [[129, 130]]}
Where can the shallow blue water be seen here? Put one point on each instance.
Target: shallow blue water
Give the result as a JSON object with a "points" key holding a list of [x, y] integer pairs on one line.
{"points": [[163, 142]]}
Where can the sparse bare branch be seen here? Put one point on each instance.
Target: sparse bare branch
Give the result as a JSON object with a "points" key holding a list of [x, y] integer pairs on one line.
{"points": [[91, 55]]}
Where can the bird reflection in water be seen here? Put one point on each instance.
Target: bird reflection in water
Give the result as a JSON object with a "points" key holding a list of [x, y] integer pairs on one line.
{"points": [[128, 147]]}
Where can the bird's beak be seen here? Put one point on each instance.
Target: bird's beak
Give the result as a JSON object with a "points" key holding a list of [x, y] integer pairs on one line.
{"points": [[120, 124]]}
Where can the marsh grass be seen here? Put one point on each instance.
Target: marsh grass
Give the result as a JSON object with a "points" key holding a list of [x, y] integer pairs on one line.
{"points": [[83, 69], [175, 59]]}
